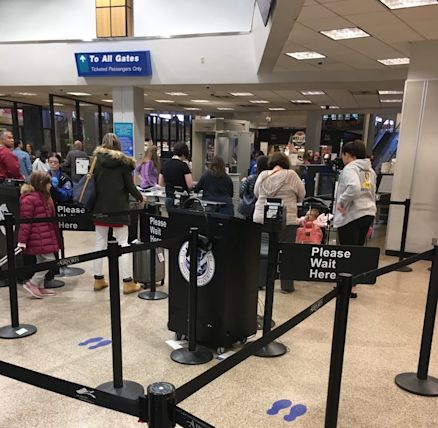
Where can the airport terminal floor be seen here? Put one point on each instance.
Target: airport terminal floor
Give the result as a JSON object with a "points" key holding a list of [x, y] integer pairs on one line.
{"points": [[383, 339]]}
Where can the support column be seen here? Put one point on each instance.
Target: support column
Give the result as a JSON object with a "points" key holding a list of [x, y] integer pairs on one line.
{"points": [[313, 131], [128, 108], [369, 129], [416, 173]]}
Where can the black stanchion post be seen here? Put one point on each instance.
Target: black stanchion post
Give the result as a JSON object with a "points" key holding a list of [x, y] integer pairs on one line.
{"points": [[338, 345], [161, 405], [152, 294], [407, 206], [194, 354], [420, 383], [67, 271], [15, 330], [118, 386], [273, 349]]}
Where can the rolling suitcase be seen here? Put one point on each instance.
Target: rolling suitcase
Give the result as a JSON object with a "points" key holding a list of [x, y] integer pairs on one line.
{"points": [[141, 268]]}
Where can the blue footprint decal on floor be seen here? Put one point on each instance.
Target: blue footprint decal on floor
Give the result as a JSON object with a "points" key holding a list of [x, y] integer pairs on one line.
{"points": [[279, 405], [100, 344], [92, 340], [295, 412]]}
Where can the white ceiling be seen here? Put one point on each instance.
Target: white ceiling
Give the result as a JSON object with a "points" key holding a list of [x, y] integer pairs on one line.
{"points": [[391, 34]]}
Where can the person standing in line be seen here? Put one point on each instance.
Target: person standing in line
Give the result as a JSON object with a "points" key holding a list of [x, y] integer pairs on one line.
{"points": [[114, 184], [70, 160], [39, 239], [29, 151], [41, 162], [176, 173], [23, 159], [149, 167], [355, 197], [284, 183], [9, 165], [217, 186]]}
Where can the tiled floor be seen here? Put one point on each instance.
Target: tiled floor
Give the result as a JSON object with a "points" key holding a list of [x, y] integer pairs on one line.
{"points": [[383, 337]]}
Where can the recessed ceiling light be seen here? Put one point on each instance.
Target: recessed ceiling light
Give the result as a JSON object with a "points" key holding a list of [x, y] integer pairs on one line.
{"points": [[164, 101], [394, 61], [149, 108], [391, 101], [277, 108], [241, 94], [79, 94], [58, 105], [390, 92], [345, 33], [146, 95], [26, 94], [313, 92], [329, 107], [305, 55], [259, 101], [200, 101], [191, 108], [176, 94], [107, 101], [225, 108], [301, 101], [399, 4]]}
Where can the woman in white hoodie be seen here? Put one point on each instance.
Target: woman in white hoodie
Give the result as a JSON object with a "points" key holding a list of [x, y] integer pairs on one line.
{"points": [[355, 197]]}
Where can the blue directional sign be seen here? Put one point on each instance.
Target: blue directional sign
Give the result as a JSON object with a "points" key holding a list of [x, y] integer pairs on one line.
{"points": [[113, 64]]}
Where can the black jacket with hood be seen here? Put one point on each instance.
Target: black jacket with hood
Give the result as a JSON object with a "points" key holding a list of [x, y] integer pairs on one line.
{"points": [[114, 184]]}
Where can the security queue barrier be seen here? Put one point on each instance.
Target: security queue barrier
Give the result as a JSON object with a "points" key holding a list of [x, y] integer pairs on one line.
{"points": [[160, 406]]}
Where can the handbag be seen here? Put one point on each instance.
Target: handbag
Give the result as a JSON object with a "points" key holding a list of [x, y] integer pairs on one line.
{"points": [[247, 205], [309, 233], [84, 192]]}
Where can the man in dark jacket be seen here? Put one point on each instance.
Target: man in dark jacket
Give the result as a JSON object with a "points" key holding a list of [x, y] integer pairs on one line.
{"points": [[70, 161], [9, 166]]}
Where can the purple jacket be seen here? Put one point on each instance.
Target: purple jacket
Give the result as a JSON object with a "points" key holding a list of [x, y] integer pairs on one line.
{"points": [[148, 174]]}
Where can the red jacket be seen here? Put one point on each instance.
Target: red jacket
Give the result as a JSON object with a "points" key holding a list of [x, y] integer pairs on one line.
{"points": [[40, 238], [9, 166]]}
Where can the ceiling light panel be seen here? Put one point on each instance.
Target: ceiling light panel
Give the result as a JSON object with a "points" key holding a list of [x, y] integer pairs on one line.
{"points": [[400, 4], [259, 101], [164, 101], [391, 101], [241, 94], [26, 94], [225, 108], [79, 94], [277, 108], [108, 101], [394, 61], [305, 55], [149, 108], [200, 101], [313, 93], [390, 92], [301, 101], [345, 33], [176, 94], [329, 107]]}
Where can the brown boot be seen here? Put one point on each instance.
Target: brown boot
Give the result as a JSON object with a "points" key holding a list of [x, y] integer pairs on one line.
{"points": [[99, 283], [130, 287]]}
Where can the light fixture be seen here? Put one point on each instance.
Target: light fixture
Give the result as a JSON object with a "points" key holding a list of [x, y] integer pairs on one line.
{"points": [[58, 105], [301, 101], [345, 33], [164, 101], [394, 61], [176, 94], [305, 55], [259, 101], [149, 108], [390, 92], [329, 107], [26, 94], [107, 101], [400, 4], [313, 93], [2, 95], [241, 94], [191, 108], [79, 94], [277, 108], [391, 101], [225, 108], [146, 95], [200, 101]]}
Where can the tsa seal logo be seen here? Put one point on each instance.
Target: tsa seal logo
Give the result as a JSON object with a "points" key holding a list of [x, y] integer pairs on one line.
{"points": [[206, 264]]}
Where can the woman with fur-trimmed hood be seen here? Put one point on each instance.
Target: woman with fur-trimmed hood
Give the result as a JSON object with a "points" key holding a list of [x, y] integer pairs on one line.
{"points": [[114, 184]]}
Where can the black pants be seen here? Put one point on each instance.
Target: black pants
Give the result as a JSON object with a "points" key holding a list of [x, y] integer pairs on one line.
{"points": [[355, 232]]}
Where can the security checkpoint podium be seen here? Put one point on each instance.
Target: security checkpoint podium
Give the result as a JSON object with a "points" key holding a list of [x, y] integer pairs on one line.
{"points": [[228, 270]]}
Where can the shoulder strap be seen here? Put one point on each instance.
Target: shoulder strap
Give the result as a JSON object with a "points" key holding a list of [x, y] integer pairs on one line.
{"points": [[89, 175]]}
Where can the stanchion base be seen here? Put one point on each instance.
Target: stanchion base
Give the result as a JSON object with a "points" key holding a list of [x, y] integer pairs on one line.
{"points": [[67, 272], [273, 349], [404, 269], [23, 330], [130, 390], [199, 356], [4, 283], [260, 322], [410, 382], [152, 295], [54, 283]]}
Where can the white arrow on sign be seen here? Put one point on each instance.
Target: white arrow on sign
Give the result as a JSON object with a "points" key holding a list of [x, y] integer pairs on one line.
{"points": [[82, 58]]}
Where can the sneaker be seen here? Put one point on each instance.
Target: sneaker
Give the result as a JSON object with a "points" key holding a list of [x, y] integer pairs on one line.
{"points": [[46, 292], [130, 287], [33, 290]]}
